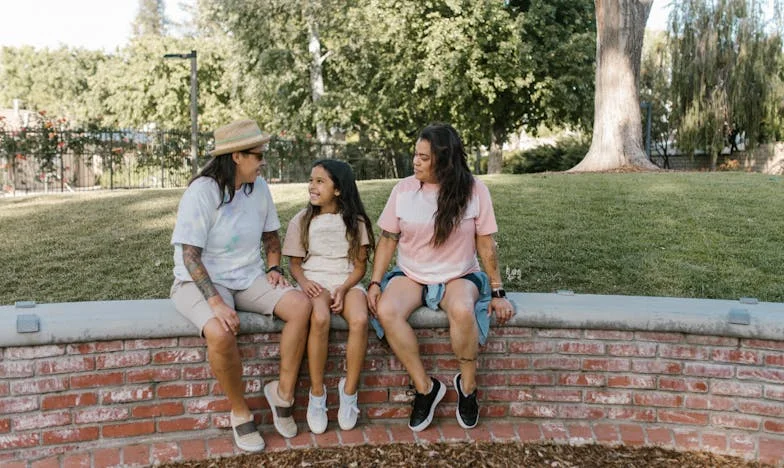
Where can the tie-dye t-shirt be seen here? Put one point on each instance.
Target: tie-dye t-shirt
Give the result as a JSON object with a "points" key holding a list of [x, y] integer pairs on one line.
{"points": [[230, 236], [411, 210]]}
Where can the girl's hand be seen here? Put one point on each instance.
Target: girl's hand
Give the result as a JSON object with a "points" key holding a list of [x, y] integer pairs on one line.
{"points": [[337, 300], [504, 310], [311, 288], [373, 294], [276, 279], [227, 317]]}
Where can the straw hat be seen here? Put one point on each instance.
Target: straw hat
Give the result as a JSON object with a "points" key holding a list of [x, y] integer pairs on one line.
{"points": [[239, 135]]}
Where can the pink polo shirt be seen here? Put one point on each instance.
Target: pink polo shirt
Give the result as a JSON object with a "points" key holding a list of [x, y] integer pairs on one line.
{"points": [[411, 210]]}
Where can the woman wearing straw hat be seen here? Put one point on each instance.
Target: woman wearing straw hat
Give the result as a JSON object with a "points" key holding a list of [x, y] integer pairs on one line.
{"points": [[224, 217]]}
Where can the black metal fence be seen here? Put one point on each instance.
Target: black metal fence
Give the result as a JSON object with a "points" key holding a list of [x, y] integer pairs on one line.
{"points": [[50, 160]]}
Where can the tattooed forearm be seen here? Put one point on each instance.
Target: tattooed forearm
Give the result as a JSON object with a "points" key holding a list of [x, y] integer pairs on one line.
{"points": [[390, 235], [191, 256], [271, 242], [488, 252]]}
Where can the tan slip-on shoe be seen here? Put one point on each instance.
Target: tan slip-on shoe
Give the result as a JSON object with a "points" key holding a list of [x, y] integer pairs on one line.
{"points": [[282, 411], [246, 434]]}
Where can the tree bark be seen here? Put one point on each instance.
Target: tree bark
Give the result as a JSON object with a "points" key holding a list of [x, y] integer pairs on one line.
{"points": [[316, 77], [495, 158], [617, 124]]}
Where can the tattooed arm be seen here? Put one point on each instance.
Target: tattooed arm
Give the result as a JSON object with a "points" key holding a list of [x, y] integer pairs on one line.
{"points": [[191, 256], [385, 248], [271, 243], [488, 253]]}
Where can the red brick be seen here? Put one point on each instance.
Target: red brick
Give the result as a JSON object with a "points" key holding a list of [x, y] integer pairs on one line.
{"points": [[632, 414], [632, 349], [559, 333], [680, 384], [709, 370], [64, 365], [581, 348], [686, 439], [157, 409], [771, 450], [682, 417], [659, 436], [184, 424], [220, 447], [735, 421], [18, 405], [526, 431], [193, 449], [774, 360], [376, 434], [178, 356], [503, 431], [557, 394], [152, 343], [531, 379], [327, 439], [533, 410], [659, 337], [741, 356], [401, 433], [609, 335], [714, 441], [513, 331], [742, 444], [78, 460], [125, 359], [25, 422], [73, 400], [491, 380], [386, 380], [649, 366], [39, 386], [108, 379], [94, 347], [13, 464], [607, 365], [34, 352], [606, 433], [658, 399], [452, 432], [608, 397], [774, 392], [557, 363], [136, 455], [631, 381], [356, 437], [579, 434], [712, 340], [164, 452], [130, 429], [769, 375], [104, 458], [632, 434], [197, 373], [582, 379], [186, 390], [504, 363], [5, 426], [707, 402], [735, 388], [774, 426], [61, 436], [764, 344], [154, 374], [765, 409], [51, 462], [531, 347], [15, 369], [507, 395], [673, 351], [16, 441], [555, 431]]}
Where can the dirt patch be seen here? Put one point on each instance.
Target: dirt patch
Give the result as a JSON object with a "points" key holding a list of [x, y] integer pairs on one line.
{"points": [[484, 454]]}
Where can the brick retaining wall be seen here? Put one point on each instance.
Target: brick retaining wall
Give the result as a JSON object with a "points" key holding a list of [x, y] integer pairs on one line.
{"points": [[127, 401]]}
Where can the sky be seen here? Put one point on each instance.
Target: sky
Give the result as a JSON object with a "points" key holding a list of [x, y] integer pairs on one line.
{"points": [[106, 24]]}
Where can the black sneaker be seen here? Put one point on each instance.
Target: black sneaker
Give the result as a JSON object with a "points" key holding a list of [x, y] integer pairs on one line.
{"points": [[467, 411], [425, 406]]}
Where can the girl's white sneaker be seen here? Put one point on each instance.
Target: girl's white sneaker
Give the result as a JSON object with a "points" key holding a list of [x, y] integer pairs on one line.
{"points": [[317, 412], [348, 411]]}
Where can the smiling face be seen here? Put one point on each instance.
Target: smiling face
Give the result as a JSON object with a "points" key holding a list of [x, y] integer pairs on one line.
{"points": [[322, 190], [249, 163], [424, 162]]}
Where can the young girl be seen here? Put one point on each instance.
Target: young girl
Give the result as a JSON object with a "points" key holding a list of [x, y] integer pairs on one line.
{"points": [[328, 245]]}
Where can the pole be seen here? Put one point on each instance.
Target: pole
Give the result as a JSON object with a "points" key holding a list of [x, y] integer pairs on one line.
{"points": [[194, 116]]}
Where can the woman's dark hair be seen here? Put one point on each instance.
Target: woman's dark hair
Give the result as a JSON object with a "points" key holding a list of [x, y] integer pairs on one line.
{"points": [[350, 208], [456, 183], [222, 169]]}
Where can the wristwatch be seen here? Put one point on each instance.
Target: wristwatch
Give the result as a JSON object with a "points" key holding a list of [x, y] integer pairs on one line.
{"points": [[275, 268], [498, 293]]}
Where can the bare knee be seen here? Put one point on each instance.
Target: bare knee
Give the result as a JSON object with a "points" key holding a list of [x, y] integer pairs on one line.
{"points": [[462, 316], [221, 341], [357, 321], [298, 309], [319, 319]]}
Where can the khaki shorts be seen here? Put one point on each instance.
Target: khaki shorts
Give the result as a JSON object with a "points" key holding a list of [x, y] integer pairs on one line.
{"points": [[260, 298]]}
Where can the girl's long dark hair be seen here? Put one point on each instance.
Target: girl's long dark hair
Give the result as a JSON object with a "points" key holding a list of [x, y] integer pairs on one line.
{"points": [[222, 169], [456, 183], [350, 208]]}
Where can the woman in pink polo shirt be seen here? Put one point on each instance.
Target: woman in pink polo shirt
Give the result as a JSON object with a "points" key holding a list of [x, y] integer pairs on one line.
{"points": [[439, 219]]}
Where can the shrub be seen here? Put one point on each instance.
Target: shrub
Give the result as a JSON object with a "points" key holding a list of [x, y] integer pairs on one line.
{"points": [[565, 154]]}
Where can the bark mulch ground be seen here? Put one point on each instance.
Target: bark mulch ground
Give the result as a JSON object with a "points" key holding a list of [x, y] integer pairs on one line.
{"points": [[485, 454]]}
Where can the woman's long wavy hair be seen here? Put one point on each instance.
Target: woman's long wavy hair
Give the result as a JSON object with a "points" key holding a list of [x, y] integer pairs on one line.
{"points": [[456, 183], [223, 169], [350, 208]]}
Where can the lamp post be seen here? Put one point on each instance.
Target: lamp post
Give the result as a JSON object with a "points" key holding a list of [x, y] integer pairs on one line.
{"points": [[194, 108]]}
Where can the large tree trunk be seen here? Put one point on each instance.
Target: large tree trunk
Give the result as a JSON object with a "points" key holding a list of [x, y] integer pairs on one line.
{"points": [[316, 77], [617, 127], [495, 158]]}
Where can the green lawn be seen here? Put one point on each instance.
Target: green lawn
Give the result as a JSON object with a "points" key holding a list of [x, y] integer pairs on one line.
{"points": [[708, 235]]}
